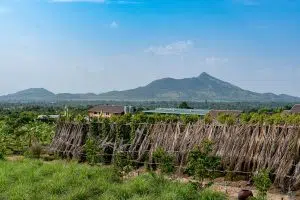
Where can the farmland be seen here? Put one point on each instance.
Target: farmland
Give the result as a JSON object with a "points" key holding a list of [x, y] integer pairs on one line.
{"points": [[104, 172]]}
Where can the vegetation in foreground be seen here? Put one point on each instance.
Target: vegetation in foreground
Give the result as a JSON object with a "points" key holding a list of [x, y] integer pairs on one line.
{"points": [[34, 179]]}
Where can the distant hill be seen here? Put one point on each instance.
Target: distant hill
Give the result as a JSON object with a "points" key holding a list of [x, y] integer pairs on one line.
{"points": [[30, 95], [201, 88]]}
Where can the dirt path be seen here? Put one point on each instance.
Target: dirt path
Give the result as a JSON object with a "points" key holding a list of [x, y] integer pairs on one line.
{"points": [[232, 192]]}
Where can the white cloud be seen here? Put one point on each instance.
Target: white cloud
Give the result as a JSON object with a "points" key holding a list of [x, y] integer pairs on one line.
{"points": [[215, 60], [175, 48], [114, 25]]}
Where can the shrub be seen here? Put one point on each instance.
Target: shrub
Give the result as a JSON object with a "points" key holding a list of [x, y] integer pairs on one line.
{"points": [[164, 160], [122, 163], [262, 183], [92, 151], [201, 164]]}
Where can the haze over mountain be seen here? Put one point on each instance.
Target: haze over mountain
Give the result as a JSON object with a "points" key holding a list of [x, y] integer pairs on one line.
{"points": [[201, 88]]}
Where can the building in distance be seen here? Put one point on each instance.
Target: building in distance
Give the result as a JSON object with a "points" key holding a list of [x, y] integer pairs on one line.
{"points": [[178, 111], [108, 111], [295, 110]]}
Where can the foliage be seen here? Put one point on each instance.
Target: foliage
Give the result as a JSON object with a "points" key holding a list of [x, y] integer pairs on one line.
{"points": [[184, 105], [208, 119], [122, 163], [189, 119], [92, 151], [262, 183], [164, 160], [227, 119], [201, 164], [17, 135], [270, 119]]}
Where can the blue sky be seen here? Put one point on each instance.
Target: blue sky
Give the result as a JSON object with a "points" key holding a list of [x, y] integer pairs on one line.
{"points": [[103, 45]]}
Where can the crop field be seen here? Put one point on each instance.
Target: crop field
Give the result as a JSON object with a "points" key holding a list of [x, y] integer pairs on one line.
{"points": [[33, 179]]}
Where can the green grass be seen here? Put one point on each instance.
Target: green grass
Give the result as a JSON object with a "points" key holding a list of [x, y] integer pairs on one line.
{"points": [[33, 179]]}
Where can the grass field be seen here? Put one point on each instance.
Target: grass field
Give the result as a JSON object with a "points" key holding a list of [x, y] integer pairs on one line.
{"points": [[33, 179]]}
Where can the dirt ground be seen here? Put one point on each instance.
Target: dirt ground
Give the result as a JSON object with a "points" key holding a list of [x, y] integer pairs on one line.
{"points": [[233, 188], [232, 192]]}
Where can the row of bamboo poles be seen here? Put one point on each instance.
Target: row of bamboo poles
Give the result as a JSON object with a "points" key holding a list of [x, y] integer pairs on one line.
{"points": [[242, 148]]}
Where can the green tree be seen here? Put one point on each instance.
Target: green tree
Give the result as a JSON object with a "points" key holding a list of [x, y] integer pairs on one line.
{"points": [[184, 105]]}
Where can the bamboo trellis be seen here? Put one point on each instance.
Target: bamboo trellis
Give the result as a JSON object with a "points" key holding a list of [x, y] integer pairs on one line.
{"points": [[246, 148]]}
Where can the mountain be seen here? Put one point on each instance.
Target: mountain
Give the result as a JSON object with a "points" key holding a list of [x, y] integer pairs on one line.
{"points": [[201, 88], [30, 95]]}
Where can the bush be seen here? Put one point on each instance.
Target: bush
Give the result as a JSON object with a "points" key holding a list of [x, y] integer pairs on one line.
{"points": [[262, 183], [122, 163], [164, 160], [92, 152], [201, 164]]}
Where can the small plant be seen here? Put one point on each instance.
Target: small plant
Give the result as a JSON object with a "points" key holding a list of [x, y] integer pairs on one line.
{"points": [[165, 161], [122, 164], [201, 164], [92, 150], [262, 183]]}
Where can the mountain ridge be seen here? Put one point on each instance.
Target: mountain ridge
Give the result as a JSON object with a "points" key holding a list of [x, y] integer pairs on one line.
{"points": [[200, 88]]}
